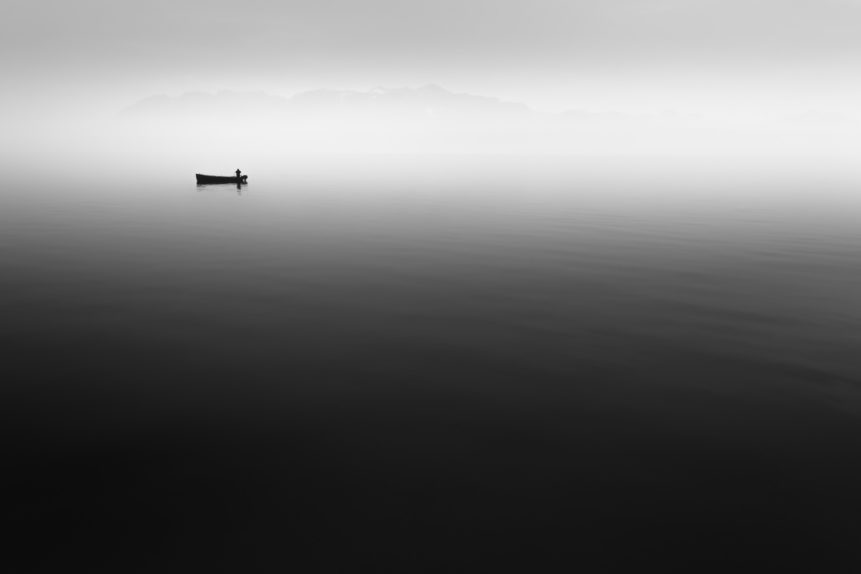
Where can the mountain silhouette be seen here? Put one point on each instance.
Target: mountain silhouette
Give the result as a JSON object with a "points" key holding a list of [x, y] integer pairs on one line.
{"points": [[433, 119], [195, 104], [429, 100]]}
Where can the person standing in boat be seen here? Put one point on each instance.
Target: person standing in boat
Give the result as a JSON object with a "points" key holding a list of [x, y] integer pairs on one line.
{"points": [[238, 173]]}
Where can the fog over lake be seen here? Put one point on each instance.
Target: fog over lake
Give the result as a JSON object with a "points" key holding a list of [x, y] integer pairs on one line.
{"points": [[532, 286]]}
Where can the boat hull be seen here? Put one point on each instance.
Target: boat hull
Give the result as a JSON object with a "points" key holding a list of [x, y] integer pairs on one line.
{"points": [[201, 178]]}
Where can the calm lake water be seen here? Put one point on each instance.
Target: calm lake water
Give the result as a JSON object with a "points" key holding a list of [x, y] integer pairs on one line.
{"points": [[435, 364]]}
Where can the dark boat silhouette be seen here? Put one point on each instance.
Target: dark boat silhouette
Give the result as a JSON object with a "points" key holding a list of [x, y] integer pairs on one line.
{"points": [[220, 178]]}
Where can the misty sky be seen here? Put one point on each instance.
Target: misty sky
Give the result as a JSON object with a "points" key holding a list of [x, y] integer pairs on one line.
{"points": [[546, 53]]}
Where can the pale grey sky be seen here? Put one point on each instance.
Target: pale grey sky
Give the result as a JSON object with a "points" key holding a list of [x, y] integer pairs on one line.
{"points": [[553, 53]]}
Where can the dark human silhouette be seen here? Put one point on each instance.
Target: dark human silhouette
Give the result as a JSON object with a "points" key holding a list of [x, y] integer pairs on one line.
{"points": [[238, 173]]}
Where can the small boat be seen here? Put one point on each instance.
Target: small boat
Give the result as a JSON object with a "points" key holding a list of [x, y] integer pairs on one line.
{"points": [[220, 178]]}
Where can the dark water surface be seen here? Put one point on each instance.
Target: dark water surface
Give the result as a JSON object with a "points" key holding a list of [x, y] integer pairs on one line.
{"points": [[431, 364]]}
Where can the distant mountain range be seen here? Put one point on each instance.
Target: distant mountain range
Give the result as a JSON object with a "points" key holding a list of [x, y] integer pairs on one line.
{"points": [[433, 119], [426, 102], [429, 100]]}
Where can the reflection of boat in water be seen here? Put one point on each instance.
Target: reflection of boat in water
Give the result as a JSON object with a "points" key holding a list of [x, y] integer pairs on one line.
{"points": [[220, 178]]}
